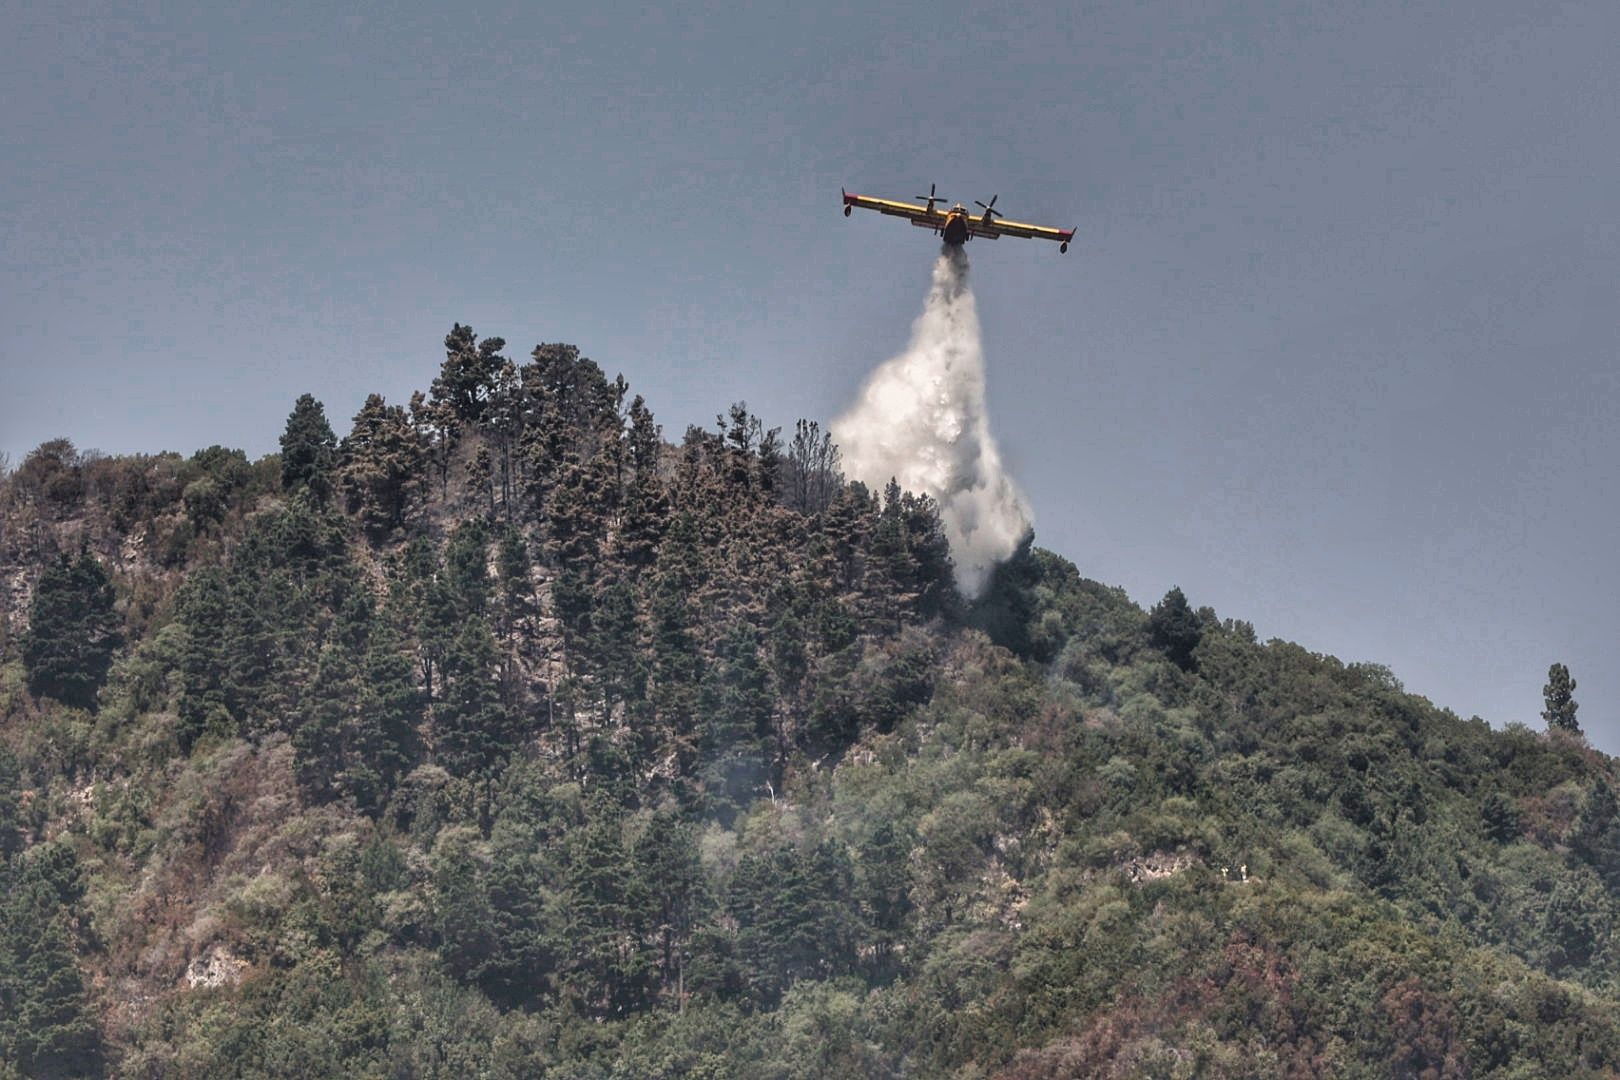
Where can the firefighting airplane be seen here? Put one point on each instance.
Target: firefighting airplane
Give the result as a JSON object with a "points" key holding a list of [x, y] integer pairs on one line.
{"points": [[956, 225]]}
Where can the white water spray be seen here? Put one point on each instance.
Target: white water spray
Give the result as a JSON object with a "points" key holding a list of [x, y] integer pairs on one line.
{"points": [[921, 420]]}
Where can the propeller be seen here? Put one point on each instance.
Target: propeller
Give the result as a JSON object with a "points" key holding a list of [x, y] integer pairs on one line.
{"points": [[930, 197], [989, 208]]}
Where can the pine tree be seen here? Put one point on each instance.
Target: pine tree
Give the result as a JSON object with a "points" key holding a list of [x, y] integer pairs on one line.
{"points": [[503, 422], [473, 731], [383, 467], [1175, 629], [522, 922], [47, 1027], [480, 474], [467, 377], [736, 705], [794, 917], [646, 508], [517, 607], [665, 857], [203, 705], [615, 646], [770, 464], [812, 469], [1596, 835], [436, 430], [308, 449], [384, 741], [438, 617], [883, 887], [327, 714], [1500, 817], [934, 581], [1559, 694], [892, 577], [607, 963], [466, 566], [845, 525], [322, 721], [73, 631], [677, 663], [463, 922], [11, 822]]}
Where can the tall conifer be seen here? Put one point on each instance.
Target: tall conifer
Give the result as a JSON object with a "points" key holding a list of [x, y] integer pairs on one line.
{"points": [[308, 449], [73, 631]]}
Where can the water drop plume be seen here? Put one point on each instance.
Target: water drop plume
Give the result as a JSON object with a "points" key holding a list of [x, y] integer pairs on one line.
{"points": [[921, 420]]}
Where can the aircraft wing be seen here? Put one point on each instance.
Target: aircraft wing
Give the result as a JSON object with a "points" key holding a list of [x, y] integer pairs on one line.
{"points": [[1000, 226], [919, 215]]}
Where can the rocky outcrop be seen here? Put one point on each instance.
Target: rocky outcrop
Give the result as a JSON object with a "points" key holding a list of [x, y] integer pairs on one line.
{"points": [[217, 967]]}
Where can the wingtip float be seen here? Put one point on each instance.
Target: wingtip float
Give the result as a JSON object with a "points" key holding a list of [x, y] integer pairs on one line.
{"points": [[957, 225]]}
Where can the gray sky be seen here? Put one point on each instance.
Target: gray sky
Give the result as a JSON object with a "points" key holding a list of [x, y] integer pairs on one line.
{"points": [[1335, 349]]}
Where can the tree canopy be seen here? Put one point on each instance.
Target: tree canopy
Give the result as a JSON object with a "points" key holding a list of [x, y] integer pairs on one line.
{"points": [[73, 631], [507, 738]]}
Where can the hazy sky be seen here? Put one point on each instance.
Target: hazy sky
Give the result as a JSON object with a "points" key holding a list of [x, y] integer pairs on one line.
{"points": [[1335, 349]]}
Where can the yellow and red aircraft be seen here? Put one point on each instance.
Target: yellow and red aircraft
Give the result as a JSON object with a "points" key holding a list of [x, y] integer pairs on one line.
{"points": [[956, 225]]}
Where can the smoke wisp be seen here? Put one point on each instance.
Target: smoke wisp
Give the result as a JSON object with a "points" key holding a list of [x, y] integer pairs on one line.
{"points": [[921, 420]]}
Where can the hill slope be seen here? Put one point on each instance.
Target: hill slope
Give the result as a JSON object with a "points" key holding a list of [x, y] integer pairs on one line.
{"points": [[502, 737]]}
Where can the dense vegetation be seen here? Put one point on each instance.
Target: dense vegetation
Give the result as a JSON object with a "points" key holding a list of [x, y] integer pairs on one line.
{"points": [[502, 738]]}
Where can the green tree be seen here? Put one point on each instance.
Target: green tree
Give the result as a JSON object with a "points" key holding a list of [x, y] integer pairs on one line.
{"points": [[1500, 817], [73, 631], [323, 718], [677, 663], [47, 1027], [736, 705], [646, 508], [436, 430], [1175, 629], [11, 822], [812, 468], [1559, 694], [517, 608], [383, 467], [204, 606], [473, 730], [308, 449], [1596, 835], [607, 963], [795, 916], [883, 887], [522, 889], [51, 477], [467, 377], [665, 856], [466, 566], [463, 922], [615, 646], [384, 739]]}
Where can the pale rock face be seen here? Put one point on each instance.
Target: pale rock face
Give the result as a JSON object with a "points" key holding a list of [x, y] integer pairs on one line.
{"points": [[218, 967], [1157, 865]]}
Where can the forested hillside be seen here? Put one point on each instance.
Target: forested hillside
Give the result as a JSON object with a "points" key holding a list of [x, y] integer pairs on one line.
{"points": [[501, 737]]}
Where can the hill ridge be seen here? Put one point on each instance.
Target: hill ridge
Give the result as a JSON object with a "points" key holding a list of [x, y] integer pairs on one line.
{"points": [[502, 735]]}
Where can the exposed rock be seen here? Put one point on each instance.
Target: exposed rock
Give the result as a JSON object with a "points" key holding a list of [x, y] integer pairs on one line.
{"points": [[1157, 865], [217, 967]]}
